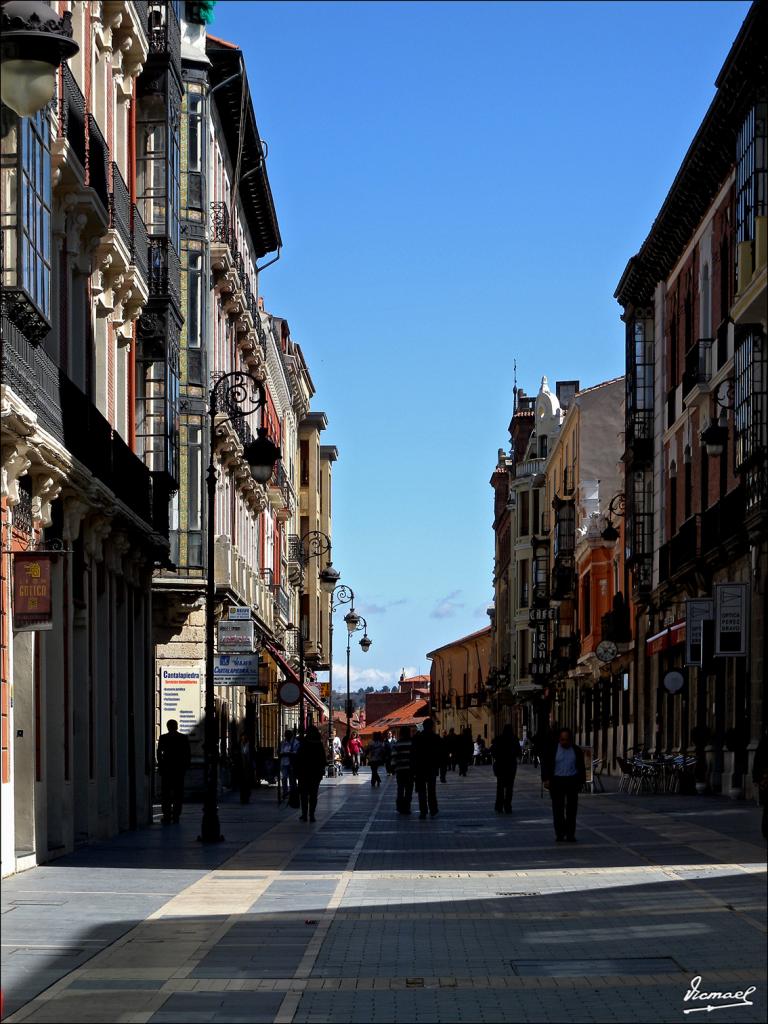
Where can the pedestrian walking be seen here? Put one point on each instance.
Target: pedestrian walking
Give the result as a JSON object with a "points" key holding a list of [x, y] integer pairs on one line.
{"points": [[760, 778], [401, 763], [173, 758], [452, 749], [389, 752], [376, 754], [355, 748], [505, 753], [310, 770], [477, 751], [563, 774], [426, 758], [464, 750], [288, 750], [444, 762], [246, 764]]}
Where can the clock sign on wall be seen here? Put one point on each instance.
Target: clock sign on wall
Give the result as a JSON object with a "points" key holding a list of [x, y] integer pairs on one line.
{"points": [[606, 650]]}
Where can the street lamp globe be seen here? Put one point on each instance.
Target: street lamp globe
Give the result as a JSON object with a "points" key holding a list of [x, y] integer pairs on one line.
{"points": [[329, 577], [365, 643], [352, 620], [261, 455], [34, 41]]}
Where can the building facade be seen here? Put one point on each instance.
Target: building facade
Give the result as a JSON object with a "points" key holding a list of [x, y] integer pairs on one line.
{"points": [[230, 225], [459, 694], [88, 457], [696, 435]]}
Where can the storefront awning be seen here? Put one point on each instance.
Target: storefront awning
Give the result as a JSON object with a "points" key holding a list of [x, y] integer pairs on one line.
{"points": [[667, 637], [279, 659]]}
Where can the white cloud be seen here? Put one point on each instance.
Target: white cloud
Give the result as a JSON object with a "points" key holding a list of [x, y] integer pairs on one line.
{"points": [[447, 606]]}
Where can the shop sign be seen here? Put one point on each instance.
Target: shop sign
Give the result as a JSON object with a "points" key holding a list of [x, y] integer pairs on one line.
{"points": [[697, 612], [536, 615], [32, 606], [731, 617], [541, 665], [325, 690], [235, 635], [238, 614], [236, 670], [181, 689]]}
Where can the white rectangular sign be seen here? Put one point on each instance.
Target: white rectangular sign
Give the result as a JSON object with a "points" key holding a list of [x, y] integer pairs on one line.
{"points": [[181, 697], [696, 613], [238, 614], [731, 619], [236, 670], [235, 636]]}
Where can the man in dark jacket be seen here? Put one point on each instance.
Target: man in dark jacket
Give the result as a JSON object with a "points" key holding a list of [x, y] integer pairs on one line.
{"points": [[505, 753], [310, 770], [563, 774], [173, 757], [464, 747], [426, 758]]}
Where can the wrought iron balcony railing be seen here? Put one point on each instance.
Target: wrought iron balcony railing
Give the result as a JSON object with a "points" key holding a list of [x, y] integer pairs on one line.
{"points": [[72, 114], [98, 161], [139, 244], [164, 32], [698, 364], [220, 227], [120, 207], [164, 270]]}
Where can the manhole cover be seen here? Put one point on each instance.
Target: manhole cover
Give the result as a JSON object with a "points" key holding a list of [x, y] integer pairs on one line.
{"points": [[611, 967]]}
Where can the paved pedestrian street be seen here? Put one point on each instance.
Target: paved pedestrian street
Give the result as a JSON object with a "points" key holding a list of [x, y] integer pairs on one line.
{"points": [[369, 916]]}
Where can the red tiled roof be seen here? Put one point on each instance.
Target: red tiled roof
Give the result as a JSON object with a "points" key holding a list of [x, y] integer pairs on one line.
{"points": [[409, 714]]}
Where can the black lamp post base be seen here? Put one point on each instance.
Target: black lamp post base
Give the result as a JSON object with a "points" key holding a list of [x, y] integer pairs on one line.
{"points": [[210, 829]]}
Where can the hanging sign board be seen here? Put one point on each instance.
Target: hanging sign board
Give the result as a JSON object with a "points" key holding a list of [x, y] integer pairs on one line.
{"points": [[289, 693], [325, 690], [32, 606], [731, 618], [674, 680], [236, 670], [697, 612], [238, 614], [181, 690], [235, 635]]}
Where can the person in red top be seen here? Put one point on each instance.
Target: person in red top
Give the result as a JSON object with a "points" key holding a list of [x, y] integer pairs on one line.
{"points": [[355, 748]]}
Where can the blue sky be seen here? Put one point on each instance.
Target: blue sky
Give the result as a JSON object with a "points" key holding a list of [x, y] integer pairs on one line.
{"points": [[458, 186]]}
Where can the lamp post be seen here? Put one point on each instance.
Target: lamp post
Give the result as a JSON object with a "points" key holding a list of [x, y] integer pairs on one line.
{"points": [[312, 545], [355, 623], [34, 41], [340, 595], [239, 396]]}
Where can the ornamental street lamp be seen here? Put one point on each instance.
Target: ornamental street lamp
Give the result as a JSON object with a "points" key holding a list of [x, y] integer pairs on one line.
{"points": [[239, 396], [715, 436], [346, 595], [355, 623], [34, 40], [314, 544], [616, 507]]}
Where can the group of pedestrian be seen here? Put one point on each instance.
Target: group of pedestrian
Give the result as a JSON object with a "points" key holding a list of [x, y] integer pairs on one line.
{"points": [[416, 762]]}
